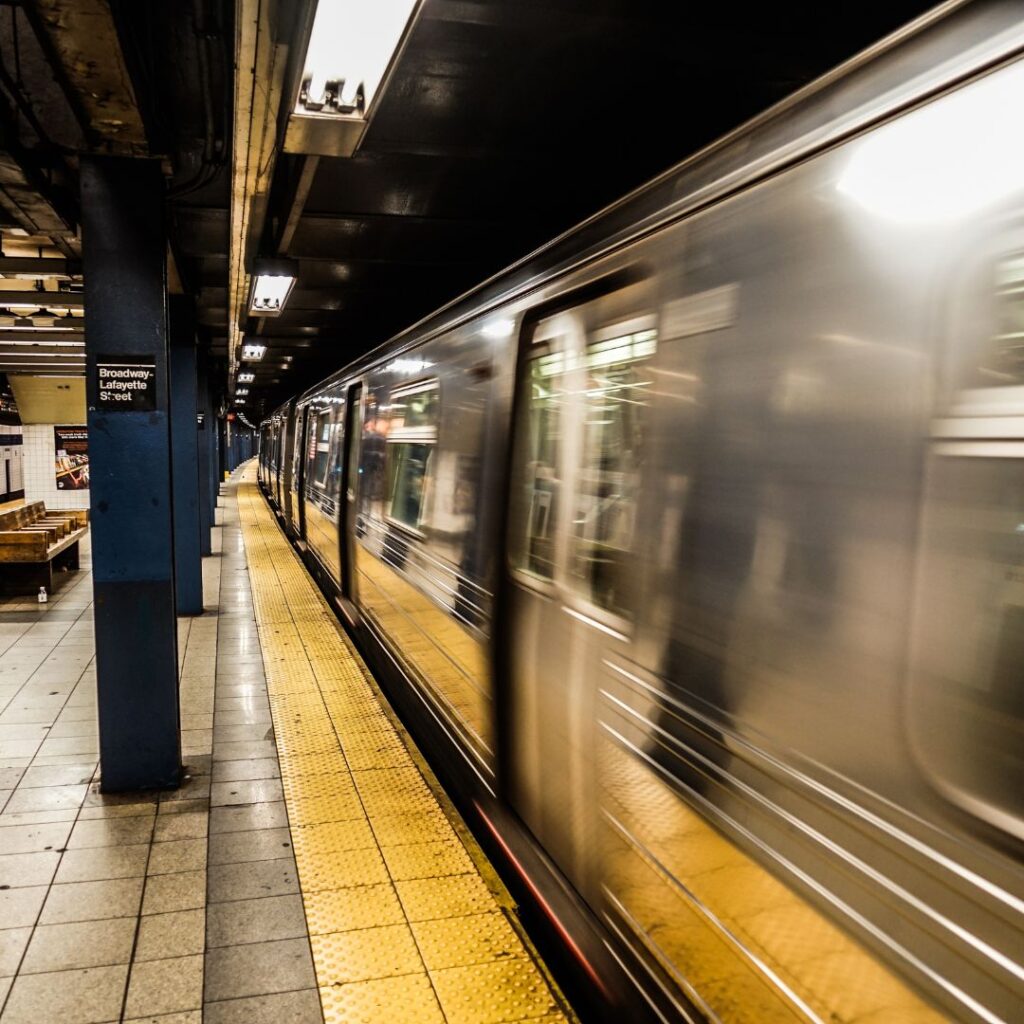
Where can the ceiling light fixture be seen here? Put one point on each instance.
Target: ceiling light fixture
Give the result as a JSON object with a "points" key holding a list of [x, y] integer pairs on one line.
{"points": [[272, 283], [253, 353], [241, 391], [246, 378], [353, 46]]}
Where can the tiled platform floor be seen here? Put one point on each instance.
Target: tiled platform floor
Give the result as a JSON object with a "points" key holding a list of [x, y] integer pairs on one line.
{"points": [[169, 908]]}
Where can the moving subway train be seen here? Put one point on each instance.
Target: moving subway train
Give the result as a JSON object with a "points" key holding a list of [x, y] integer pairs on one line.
{"points": [[694, 544]]}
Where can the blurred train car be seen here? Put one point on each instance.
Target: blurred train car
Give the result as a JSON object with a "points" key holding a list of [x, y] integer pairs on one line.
{"points": [[694, 542]]}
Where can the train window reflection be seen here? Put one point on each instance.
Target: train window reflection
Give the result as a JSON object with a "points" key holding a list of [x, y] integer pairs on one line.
{"points": [[415, 408], [412, 435], [542, 477], [1004, 362], [615, 394], [323, 447], [409, 466]]}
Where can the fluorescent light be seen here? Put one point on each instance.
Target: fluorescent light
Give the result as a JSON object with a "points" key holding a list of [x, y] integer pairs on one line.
{"points": [[269, 294], [350, 47], [253, 352], [946, 161], [239, 401], [272, 283], [241, 391], [246, 378], [28, 325]]}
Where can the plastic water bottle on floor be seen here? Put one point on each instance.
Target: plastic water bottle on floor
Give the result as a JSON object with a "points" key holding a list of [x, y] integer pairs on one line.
{"points": [[43, 596]]}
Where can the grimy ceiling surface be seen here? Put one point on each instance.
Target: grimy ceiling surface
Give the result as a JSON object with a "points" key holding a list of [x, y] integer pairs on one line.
{"points": [[506, 122]]}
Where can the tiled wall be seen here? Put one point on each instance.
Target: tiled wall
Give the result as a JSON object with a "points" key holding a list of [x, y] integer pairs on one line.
{"points": [[40, 479]]}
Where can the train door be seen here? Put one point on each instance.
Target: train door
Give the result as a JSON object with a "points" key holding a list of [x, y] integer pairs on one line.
{"points": [[278, 458], [582, 393], [350, 491], [287, 444], [299, 471]]}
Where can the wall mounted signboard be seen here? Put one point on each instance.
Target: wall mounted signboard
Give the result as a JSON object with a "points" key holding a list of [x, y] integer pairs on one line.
{"points": [[126, 383]]}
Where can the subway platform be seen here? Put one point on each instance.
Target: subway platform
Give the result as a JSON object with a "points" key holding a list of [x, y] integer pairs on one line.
{"points": [[308, 870]]}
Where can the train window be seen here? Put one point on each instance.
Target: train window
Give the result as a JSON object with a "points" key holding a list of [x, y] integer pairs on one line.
{"points": [[545, 396], [321, 447], [615, 394], [412, 438], [1003, 364]]}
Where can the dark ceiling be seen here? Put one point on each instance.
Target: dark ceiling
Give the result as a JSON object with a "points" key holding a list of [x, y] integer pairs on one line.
{"points": [[506, 122]]}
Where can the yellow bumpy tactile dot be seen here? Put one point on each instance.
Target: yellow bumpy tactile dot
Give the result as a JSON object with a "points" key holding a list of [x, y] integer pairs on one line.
{"points": [[402, 925]]}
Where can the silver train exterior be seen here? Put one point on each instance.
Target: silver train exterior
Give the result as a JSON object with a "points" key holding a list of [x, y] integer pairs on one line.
{"points": [[700, 535]]}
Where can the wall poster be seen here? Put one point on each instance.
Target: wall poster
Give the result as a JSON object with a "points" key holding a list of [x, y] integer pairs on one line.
{"points": [[71, 458]]}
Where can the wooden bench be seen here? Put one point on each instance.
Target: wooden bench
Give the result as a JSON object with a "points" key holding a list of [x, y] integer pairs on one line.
{"points": [[35, 541]]}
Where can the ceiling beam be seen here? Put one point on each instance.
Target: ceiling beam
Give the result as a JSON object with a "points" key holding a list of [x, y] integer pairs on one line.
{"points": [[40, 337], [62, 300], [41, 266]]}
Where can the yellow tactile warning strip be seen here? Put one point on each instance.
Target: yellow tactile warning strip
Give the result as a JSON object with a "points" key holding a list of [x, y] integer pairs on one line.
{"points": [[403, 926]]}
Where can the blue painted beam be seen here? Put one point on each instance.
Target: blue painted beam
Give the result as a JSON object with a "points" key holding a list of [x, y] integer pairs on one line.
{"points": [[124, 249], [188, 562], [204, 426]]}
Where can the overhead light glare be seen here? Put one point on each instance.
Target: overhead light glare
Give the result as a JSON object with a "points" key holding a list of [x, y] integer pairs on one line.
{"points": [[246, 378], [498, 329], [946, 161], [407, 366], [252, 352], [241, 391]]}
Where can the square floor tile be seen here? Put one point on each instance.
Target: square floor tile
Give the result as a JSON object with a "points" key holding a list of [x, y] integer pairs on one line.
{"points": [[258, 968], [252, 880], [127, 831], [261, 920], [238, 847], [177, 855], [33, 838], [256, 816], [92, 901], [18, 869], [165, 986], [19, 908], [301, 1007], [181, 933], [103, 862], [185, 890], [65, 947], [71, 997]]}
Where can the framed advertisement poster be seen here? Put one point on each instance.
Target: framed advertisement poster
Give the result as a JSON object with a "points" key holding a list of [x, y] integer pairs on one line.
{"points": [[71, 458]]}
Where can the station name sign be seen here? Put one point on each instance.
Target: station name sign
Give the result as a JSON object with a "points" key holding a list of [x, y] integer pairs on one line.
{"points": [[126, 383]]}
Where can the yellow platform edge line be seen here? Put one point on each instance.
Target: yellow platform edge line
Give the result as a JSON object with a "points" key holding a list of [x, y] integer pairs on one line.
{"points": [[407, 918]]}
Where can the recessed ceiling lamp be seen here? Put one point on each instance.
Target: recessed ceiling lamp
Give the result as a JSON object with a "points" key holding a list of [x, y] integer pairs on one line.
{"points": [[239, 401], [353, 46], [241, 391], [272, 283], [246, 378], [253, 353]]}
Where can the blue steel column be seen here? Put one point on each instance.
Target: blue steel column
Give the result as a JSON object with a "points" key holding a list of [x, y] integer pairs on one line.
{"points": [[124, 255], [188, 563], [203, 429]]}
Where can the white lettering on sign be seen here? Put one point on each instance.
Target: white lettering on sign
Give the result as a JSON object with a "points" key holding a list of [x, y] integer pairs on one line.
{"points": [[125, 384]]}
